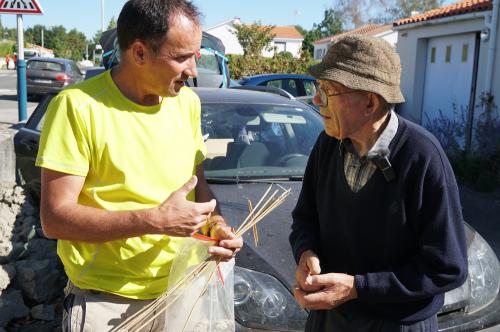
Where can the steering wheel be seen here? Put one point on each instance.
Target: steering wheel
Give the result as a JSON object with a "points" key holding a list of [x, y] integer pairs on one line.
{"points": [[283, 160]]}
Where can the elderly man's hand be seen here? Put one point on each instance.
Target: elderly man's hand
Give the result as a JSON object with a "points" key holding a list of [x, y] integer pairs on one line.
{"points": [[336, 288], [229, 244], [308, 266]]}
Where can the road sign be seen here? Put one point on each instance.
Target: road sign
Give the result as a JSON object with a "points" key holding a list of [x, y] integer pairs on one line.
{"points": [[20, 7]]}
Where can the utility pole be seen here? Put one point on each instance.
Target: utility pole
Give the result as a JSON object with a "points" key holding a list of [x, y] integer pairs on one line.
{"points": [[43, 28], [21, 71], [102, 15]]}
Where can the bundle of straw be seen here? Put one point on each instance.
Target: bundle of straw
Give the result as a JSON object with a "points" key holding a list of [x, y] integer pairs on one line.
{"points": [[267, 203]]}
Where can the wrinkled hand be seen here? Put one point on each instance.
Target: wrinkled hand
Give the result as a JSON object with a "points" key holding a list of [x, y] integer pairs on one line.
{"points": [[229, 244], [308, 266], [335, 289], [177, 216]]}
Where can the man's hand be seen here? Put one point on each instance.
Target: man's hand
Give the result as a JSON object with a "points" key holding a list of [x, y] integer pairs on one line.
{"points": [[335, 289], [177, 216], [229, 245], [308, 266]]}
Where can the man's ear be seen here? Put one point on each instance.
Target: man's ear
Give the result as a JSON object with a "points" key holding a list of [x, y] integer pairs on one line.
{"points": [[372, 103], [139, 52]]}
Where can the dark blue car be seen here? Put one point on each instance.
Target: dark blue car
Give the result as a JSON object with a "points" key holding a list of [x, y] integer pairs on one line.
{"points": [[296, 84]]}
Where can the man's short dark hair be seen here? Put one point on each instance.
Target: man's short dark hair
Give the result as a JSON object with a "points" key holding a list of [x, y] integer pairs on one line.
{"points": [[149, 21]]}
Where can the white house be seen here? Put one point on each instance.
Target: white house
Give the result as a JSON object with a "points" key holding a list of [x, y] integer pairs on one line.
{"points": [[225, 31], [377, 30], [32, 50], [449, 59], [285, 38]]}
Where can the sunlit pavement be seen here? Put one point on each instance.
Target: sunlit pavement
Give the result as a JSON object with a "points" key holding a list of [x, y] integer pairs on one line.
{"points": [[8, 99]]}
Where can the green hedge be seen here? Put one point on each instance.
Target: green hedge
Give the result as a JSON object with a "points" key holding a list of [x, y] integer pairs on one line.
{"points": [[6, 47], [243, 65]]}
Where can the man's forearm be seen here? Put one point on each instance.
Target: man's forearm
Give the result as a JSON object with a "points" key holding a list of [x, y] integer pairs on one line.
{"points": [[76, 222]]}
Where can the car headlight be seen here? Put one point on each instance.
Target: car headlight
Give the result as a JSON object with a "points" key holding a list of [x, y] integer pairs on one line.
{"points": [[483, 282], [484, 274], [261, 301]]}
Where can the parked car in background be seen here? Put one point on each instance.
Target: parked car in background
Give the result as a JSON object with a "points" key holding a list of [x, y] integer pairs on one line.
{"points": [[297, 85], [256, 138], [211, 62], [50, 75]]}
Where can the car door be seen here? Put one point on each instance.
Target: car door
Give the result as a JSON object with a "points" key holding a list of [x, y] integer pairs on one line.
{"points": [[26, 144]]}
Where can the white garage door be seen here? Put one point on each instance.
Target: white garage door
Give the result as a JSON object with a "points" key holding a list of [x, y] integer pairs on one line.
{"points": [[448, 76]]}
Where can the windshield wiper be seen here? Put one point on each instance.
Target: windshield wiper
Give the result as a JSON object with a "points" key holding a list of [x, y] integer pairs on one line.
{"points": [[261, 180]]}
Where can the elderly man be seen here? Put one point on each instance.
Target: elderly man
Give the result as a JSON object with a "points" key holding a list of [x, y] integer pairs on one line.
{"points": [[377, 232], [122, 170]]}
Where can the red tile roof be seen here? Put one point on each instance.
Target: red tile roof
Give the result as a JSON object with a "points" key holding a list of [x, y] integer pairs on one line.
{"points": [[283, 32], [458, 8], [286, 32], [369, 29]]}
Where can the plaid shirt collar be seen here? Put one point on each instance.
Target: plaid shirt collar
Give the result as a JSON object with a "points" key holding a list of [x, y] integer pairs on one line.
{"points": [[382, 143]]}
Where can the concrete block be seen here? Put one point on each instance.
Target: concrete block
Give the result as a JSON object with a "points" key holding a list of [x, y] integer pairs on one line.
{"points": [[7, 156]]}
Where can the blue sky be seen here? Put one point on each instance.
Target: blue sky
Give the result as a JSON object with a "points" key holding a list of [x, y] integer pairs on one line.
{"points": [[85, 15]]}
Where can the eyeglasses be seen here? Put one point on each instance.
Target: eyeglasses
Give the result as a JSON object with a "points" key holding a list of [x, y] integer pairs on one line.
{"points": [[323, 96]]}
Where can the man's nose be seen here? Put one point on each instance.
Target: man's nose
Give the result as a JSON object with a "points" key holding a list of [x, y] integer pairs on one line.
{"points": [[191, 69], [317, 100]]}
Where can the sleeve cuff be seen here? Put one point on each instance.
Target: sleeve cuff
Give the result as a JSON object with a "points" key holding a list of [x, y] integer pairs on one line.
{"points": [[360, 284]]}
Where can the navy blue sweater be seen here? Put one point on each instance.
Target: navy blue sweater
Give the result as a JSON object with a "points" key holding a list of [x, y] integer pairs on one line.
{"points": [[403, 240]]}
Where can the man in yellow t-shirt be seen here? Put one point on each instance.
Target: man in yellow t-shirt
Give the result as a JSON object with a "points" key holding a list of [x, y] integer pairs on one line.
{"points": [[122, 175]]}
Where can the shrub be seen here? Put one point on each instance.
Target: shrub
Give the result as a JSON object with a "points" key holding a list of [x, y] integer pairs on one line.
{"points": [[241, 65], [479, 165], [6, 47]]}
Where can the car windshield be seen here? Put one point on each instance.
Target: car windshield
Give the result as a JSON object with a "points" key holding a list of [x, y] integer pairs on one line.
{"points": [[256, 141]]}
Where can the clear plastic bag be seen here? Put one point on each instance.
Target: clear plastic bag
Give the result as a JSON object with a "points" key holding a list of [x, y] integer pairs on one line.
{"points": [[205, 302]]}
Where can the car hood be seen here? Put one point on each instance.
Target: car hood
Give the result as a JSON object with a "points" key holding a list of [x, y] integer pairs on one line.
{"points": [[273, 230]]}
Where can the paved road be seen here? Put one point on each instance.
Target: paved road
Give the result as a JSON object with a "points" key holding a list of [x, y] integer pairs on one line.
{"points": [[8, 99]]}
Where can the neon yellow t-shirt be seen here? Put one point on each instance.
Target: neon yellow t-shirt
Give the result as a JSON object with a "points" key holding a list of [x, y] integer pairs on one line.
{"points": [[132, 157]]}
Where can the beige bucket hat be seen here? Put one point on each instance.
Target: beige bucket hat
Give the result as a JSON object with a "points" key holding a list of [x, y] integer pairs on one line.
{"points": [[363, 63]]}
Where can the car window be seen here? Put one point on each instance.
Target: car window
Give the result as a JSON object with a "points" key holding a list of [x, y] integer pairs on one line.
{"points": [[75, 69], [207, 63], [45, 65], [309, 87], [40, 123], [274, 83], [258, 141], [288, 85], [37, 119]]}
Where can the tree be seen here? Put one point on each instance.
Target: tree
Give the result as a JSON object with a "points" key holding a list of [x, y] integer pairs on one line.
{"points": [[65, 44], [254, 38], [330, 25], [359, 12], [404, 8], [76, 43], [112, 23], [355, 13], [33, 34]]}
